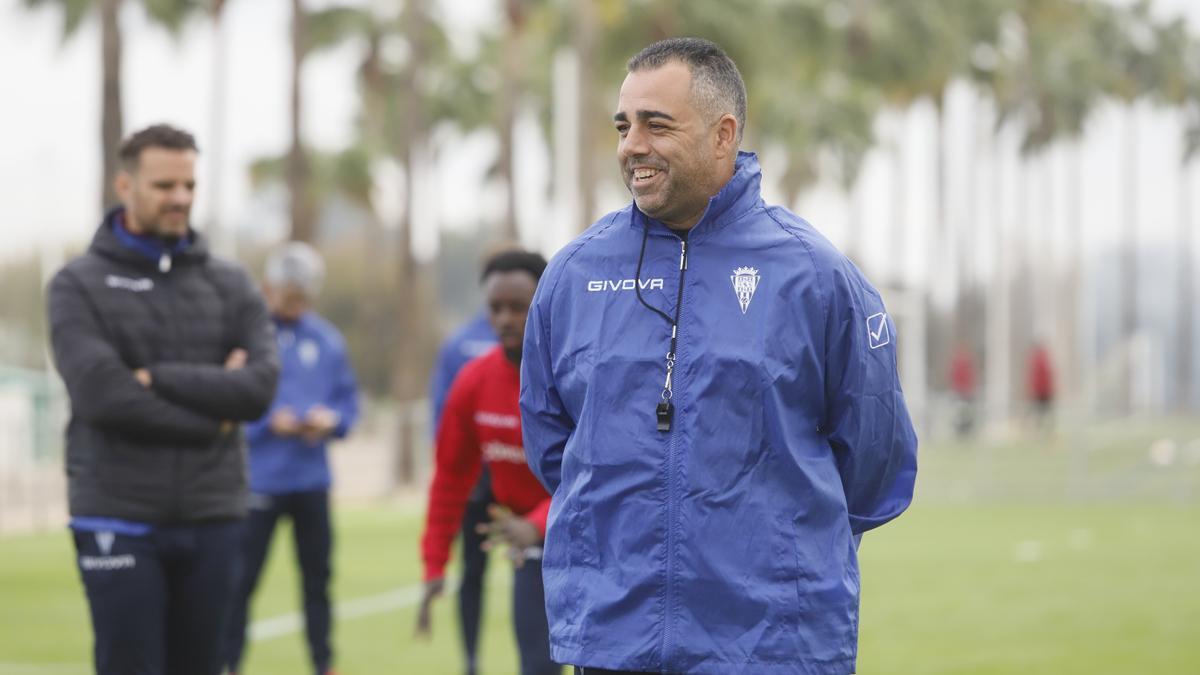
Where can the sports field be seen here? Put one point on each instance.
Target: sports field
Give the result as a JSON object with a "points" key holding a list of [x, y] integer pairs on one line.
{"points": [[1073, 554]]}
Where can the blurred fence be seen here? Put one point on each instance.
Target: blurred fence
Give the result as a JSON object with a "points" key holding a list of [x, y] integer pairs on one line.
{"points": [[33, 414]]}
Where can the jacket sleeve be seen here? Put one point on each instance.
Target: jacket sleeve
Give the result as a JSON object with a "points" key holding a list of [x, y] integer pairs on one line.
{"points": [[546, 425], [866, 421], [101, 386], [343, 399], [240, 395], [458, 463]]}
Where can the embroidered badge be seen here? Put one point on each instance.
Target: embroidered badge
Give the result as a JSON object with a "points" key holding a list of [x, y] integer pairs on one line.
{"points": [[745, 282]]}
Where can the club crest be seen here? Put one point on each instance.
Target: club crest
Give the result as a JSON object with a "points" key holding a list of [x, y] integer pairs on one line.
{"points": [[745, 282], [104, 542]]}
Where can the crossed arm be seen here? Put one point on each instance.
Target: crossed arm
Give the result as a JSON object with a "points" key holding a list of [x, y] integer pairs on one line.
{"points": [[106, 393]]}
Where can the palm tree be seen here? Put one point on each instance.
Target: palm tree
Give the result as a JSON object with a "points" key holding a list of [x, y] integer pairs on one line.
{"points": [[168, 13]]}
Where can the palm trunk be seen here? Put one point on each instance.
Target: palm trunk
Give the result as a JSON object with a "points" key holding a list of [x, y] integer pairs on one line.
{"points": [[111, 124], [585, 43], [509, 95], [998, 364], [298, 171], [410, 308], [939, 332], [897, 241], [1072, 360], [222, 240], [1185, 385], [1128, 277]]}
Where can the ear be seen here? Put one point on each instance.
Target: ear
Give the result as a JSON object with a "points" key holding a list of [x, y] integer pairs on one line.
{"points": [[123, 185], [727, 132]]}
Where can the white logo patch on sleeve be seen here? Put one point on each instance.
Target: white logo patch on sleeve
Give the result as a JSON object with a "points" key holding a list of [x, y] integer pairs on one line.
{"points": [[877, 330], [745, 282]]}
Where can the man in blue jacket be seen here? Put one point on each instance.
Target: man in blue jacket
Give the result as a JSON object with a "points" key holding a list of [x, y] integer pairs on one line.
{"points": [[317, 401], [709, 392]]}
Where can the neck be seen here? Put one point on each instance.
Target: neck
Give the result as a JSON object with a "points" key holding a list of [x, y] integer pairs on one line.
{"points": [[720, 180], [513, 356]]}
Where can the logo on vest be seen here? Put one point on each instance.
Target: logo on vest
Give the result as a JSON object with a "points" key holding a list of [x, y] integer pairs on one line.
{"points": [[745, 282], [106, 561], [104, 541], [614, 285], [309, 353], [127, 284], [495, 451], [877, 331]]}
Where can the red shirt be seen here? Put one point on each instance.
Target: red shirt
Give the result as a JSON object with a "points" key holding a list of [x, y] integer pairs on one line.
{"points": [[480, 423]]}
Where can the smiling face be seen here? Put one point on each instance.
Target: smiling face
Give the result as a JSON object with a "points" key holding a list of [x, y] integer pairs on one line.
{"points": [[158, 193], [672, 158]]}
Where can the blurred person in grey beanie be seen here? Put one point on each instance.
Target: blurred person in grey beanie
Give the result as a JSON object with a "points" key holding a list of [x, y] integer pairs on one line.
{"points": [[317, 401]]}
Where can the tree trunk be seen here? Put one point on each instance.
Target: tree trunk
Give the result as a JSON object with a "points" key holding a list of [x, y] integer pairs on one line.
{"points": [[222, 240], [510, 91], [1127, 278], [298, 170], [941, 263], [897, 233], [1185, 391], [413, 321], [111, 124], [1072, 361], [585, 43]]}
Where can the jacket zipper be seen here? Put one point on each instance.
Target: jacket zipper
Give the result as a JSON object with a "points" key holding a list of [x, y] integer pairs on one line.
{"points": [[168, 283], [671, 452]]}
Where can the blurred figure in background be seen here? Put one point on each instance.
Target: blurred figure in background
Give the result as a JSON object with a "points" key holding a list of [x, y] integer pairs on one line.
{"points": [[473, 339], [1040, 386], [163, 350], [481, 425], [289, 466], [963, 382]]}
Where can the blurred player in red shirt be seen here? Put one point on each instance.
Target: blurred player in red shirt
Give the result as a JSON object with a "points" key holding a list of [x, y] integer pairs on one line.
{"points": [[481, 423]]}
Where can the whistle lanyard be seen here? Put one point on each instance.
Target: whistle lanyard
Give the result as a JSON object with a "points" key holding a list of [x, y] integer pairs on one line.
{"points": [[664, 411]]}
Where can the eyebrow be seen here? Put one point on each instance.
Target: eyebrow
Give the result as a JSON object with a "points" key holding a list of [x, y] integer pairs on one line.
{"points": [[643, 115]]}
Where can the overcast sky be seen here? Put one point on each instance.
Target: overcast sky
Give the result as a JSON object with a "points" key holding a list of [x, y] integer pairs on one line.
{"points": [[49, 162]]}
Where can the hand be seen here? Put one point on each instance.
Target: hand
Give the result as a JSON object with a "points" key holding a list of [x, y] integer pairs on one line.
{"points": [[236, 359], [509, 528], [284, 423], [433, 589], [319, 424], [143, 377]]}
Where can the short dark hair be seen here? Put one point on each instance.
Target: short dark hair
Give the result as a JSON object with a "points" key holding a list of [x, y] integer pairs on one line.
{"points": [[514, 261], [155, 136], [717, 86]]}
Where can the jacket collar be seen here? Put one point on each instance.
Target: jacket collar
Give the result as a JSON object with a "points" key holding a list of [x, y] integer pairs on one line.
{"points": [[739, 195], [113, 241]]}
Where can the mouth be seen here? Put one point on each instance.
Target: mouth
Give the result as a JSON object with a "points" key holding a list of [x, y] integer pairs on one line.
{"points": [[642, 176]]}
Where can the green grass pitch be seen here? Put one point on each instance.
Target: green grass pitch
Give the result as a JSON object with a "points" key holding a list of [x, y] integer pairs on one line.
{"points": [[1074, 555]]}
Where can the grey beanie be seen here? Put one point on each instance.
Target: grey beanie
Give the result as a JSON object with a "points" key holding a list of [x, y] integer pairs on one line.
{"points": [[296, 264]]}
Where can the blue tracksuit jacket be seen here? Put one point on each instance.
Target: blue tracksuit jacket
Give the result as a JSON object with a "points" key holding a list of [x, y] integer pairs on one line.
{"points": [[314, 369], [726, 544], [473, 339]]}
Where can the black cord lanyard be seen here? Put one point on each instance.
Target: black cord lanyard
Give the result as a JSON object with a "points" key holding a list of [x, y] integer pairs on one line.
{"points": [[665, 410]]}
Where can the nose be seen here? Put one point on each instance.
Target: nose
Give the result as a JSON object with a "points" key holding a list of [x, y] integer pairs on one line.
{"points": [[634, 144], [182, 194]]}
